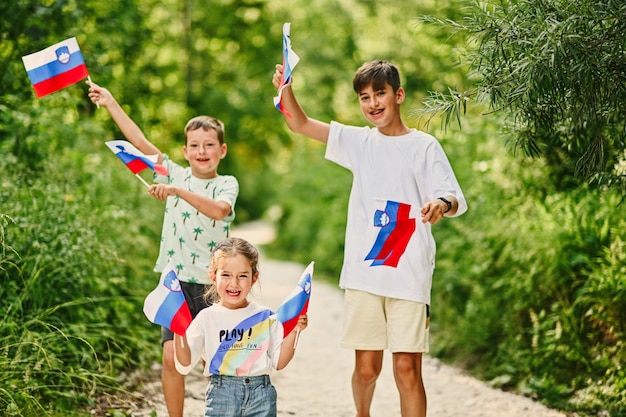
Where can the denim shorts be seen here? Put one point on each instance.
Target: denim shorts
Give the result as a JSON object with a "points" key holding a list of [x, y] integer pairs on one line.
{"points": [[240, 396]]}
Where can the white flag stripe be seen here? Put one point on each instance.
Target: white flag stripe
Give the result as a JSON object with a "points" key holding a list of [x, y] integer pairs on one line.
{"points": [[129, 148], [48, 55]]}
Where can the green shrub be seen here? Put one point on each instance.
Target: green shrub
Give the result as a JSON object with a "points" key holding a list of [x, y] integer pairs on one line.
{"points": [[73, 286], [536, 300]]}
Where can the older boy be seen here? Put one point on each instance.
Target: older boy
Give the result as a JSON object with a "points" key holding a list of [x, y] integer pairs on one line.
{"points": [[399, 174], [198, 212]]}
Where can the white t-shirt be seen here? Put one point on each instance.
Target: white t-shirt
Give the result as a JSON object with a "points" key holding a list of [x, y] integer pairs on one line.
{"points": [[388, 250], [241, 342], [188, 236]]}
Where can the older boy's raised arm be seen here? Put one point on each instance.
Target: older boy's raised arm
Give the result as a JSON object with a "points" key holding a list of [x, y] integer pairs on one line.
{"points": [[299, 122]]}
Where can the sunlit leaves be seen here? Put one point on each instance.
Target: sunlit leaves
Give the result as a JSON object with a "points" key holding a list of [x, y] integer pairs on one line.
{"points": [[555, 69]]}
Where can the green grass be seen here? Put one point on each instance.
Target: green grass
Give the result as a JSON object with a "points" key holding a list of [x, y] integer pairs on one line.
{"points": [[75, 269]]}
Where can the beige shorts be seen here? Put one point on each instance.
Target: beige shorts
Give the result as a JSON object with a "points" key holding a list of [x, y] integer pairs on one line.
{"points": [[373, 322]]}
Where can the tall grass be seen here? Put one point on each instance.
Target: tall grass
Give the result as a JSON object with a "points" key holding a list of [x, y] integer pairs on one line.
{"points": [[74, 268]]}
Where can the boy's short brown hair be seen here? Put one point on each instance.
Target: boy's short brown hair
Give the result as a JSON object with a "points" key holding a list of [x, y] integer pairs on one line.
{"points": [[376, 73], [206, 123]]}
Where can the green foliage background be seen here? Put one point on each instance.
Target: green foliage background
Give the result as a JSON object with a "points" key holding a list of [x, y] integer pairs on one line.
{"points": [[529, 291]]}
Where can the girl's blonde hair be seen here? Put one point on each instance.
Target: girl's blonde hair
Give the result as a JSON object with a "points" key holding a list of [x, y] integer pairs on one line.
{"points": [[226, 249]]}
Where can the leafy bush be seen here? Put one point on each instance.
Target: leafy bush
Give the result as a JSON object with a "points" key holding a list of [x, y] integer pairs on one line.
{"points": [[72, 291], [534, 298]]}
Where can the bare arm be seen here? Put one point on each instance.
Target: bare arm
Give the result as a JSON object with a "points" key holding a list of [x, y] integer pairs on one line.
{"points": [[181, 350], [287, 349], [214, 209], [129, 128], [299, 122]]}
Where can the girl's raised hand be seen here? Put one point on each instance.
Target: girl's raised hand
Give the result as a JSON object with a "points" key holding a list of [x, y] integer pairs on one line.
{"points": [[303, 321]]}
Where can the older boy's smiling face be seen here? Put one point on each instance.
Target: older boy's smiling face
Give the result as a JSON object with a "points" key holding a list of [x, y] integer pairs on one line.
{"points": [[204, 152], [382, 107]]}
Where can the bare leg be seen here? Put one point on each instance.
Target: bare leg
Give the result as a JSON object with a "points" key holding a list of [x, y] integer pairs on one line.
{"points": [[173, 382], [407, 370], [367, 367]]}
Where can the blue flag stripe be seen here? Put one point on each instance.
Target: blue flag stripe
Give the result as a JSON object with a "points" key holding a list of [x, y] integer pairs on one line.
{"points": [[55, 68], [168, 308]]}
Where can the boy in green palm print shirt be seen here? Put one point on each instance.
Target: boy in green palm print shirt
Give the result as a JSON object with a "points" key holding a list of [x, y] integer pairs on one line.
{"points": [[200, 205], [188, 236]]}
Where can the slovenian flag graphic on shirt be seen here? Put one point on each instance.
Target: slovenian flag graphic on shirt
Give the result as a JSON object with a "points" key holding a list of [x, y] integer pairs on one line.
{"points": [[134, 159], [297, 302], [166, 304], [236, 356], [396, 229], [56, 67]]}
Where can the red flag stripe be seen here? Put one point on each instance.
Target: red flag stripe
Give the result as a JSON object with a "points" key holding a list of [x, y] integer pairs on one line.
{"points": [[181, 320], [136, 165], [61, 81]]}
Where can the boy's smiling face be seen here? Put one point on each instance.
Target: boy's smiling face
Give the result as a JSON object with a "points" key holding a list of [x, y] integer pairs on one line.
{"points": [[204, 152], [382, 107]]}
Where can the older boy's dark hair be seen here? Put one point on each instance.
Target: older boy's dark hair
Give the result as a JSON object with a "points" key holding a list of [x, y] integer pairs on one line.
{"points": [[376, 73], [206, 123]]}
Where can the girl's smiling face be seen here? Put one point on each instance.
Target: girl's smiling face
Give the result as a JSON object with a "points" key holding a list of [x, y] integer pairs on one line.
{"points": [[233, 281]]}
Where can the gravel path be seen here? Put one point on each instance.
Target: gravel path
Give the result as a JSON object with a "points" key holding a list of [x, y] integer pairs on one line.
{"points": [[317, 381]]}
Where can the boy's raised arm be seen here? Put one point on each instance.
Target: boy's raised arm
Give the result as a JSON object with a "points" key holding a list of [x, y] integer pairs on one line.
{"points": [[129, 128], [299, 122]]}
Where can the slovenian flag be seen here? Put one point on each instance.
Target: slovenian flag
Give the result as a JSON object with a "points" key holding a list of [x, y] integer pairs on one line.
{"points": [[297, 303], [166, 304], [134, 159], [290, 60], [55, 67]]}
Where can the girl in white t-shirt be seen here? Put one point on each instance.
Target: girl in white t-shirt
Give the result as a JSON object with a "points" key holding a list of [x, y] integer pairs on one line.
{"points": [[240, 341]]}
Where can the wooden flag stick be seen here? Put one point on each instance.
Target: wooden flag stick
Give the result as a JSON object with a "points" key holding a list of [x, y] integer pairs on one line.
{"points": [[89, 79], [295, 342], [142, 180]]}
